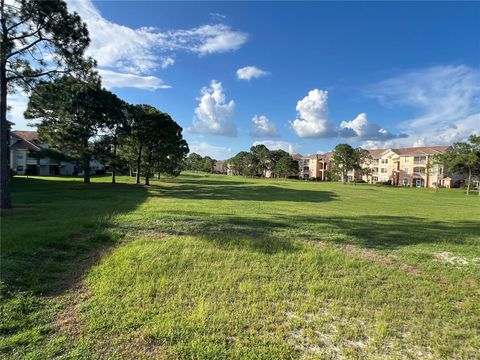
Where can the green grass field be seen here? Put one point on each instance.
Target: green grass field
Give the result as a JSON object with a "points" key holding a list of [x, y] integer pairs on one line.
{"points": [[215, 267]]}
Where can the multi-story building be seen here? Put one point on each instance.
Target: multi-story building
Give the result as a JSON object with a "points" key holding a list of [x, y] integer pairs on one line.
{"points": [[23, 143], [313, 166], [413, 166]]}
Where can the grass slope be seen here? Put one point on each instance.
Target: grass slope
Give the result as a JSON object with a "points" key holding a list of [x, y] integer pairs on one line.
{"points": [[207, 266]]}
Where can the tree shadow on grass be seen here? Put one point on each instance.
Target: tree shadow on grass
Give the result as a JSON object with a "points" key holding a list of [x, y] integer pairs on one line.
{"points": [[228, 191], [58, 228], [378, 232]]}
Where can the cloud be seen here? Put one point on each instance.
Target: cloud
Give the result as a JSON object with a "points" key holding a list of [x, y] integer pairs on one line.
{"points": [[166, 61], [250, 72], [446, 98], [206, 149], [213, 114], [312, 121], [362, 129], [141, 50], [217, 16], [262, 126], [277, 145], [17, 103], [112, 79]]}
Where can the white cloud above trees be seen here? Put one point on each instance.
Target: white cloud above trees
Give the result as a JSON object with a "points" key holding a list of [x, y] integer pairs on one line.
{"points": [[262, 126], [446, 99], [312, 116], [140, 51], [278, 145], [214, 114], [113, 79], [250, 72]]}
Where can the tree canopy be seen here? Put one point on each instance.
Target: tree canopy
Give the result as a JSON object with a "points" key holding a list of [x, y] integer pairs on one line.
{"points": [[39, 40]]}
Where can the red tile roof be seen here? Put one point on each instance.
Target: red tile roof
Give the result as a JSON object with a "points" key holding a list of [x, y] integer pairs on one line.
{"points": [[26, 135], [25, 140], [24, 144]]}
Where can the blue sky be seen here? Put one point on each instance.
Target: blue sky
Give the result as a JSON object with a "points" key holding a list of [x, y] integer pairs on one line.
{"points": [[298, 76]]}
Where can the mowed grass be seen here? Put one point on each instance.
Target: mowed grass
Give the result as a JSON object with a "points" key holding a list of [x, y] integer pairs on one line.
{"points": [[214, 267]]}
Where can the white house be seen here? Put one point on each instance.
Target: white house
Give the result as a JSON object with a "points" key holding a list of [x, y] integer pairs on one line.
{"points": [[21, 145]]}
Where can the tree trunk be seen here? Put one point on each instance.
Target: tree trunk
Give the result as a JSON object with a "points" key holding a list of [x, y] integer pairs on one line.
{"points": [[147, 172], [139, 160], [86, 170], [5, 201], [114, 158], [469, 180], [158, 176]]}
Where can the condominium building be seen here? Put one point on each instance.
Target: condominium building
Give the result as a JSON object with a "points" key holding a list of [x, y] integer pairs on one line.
{"points": [[24, 143], [313, 166], [413, 166]]}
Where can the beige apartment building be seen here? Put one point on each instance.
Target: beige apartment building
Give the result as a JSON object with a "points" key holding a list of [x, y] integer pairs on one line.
{"points": [[407, 167], [313, 167]]}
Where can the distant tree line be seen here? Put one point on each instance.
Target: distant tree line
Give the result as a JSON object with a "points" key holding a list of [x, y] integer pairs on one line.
{"points": [[42, 51], [260, 160], [196, 162]]}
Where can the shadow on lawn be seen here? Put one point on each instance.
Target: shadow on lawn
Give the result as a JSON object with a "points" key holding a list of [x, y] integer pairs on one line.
{"points": [[240, 191], [260, 234], [58, 229]]}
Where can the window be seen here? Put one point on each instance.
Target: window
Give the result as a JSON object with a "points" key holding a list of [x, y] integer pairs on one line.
{"points": [[405, 181], [20, 156], [419, 170], [384, 161], [19, 168], [405, 170], [383, 170], [420, 159], [407, 159]]}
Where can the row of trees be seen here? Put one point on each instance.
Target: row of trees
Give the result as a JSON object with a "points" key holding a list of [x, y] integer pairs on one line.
{"points": [[42, 51], [260, 160], [89, 122], [196, 162]]}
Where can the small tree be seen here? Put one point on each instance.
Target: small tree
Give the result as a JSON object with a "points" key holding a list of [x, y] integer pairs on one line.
{"points": [[193, 162], [464, 158], [286, 166], [275, 156], [261, 158], [344, 159], [208, 164], [363, 161], [31, 30]]}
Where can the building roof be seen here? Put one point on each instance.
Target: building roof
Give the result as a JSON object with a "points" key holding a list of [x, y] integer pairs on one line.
{"points": [[26, 135], [424, 150], [24, 144], [376, 153], [25, 140], [297, 156]]}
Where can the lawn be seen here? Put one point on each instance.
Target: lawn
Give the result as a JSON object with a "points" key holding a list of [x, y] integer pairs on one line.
{"points": [[213, 267]]}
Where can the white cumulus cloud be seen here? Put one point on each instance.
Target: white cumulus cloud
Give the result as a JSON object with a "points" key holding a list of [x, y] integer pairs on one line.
{"points": [[263, 126], [250, 72], [142, 50], [312, 112], [214, 115], [205, 149], [362, 129], [113, 79], [278, 145]]}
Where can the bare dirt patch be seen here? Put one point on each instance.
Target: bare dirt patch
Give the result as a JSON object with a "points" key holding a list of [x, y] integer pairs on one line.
{"points": [[455, 259]]}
